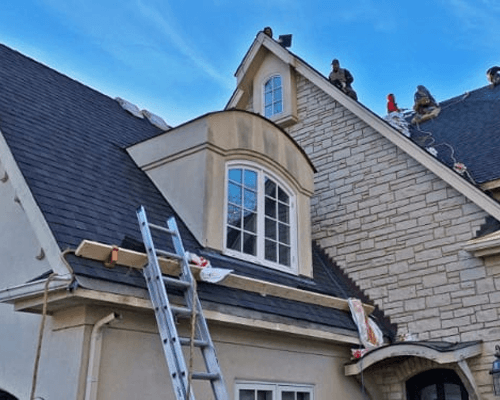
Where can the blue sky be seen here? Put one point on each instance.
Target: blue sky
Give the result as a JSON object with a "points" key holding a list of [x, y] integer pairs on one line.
{"points": [[177, 59]]}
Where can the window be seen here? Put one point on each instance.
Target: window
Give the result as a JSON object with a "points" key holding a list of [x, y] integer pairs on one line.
{"points": [[260, 217], [436, 384], [269, 391], [273, 97]]}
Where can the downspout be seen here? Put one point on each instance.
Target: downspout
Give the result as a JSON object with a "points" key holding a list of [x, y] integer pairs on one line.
{"points": [[95, 355]]}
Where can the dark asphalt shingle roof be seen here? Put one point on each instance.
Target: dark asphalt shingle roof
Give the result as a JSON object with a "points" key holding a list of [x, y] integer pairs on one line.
{"points": [[69, 142], [468, 131]]}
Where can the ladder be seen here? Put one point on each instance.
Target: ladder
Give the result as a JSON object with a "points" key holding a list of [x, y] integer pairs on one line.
{"points": [[166, 314]]}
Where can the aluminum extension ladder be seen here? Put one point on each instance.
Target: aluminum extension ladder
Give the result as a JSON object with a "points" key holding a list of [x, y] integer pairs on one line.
{"points": [[166, 314]]}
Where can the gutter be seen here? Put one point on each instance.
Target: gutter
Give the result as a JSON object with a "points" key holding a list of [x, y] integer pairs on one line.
{"points": [[95, 355], [10, 294]]}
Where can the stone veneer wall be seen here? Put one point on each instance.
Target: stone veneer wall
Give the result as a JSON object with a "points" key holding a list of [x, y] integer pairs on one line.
{"points": [[398, 230]]}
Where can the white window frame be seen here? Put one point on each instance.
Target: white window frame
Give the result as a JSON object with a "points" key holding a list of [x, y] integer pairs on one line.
{"points": [[276, 389], [273, 114], [260, 257]]}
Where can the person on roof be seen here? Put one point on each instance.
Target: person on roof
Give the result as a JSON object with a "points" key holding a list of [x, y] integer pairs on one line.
{"points": [[425, 106], [493, 75], [342, 79]]}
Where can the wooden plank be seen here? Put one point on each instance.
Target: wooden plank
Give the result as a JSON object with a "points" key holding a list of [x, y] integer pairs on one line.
{"points": [[100, 252], [128, 258]]}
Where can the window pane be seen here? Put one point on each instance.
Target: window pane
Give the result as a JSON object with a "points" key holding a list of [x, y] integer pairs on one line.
{"points": [[287, 395], [283, 213], [302, 395], [268, 86], [250, 200], [250, 222], [247, 394], [277, 94], [270, 251], [270, 207], [269, 111], [234, 193], [234, 215], [268, 99], [278, 107], [270, 188], [235, 174], [264, 395], [429, 393], [233, 239], [284, 255], [251, 179], [249, 244], [270, 228], [284, 233], [277, 81], [452, 391], [282, 196]]}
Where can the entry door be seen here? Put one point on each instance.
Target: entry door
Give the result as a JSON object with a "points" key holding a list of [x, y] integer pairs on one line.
{"points": [[436, 384]]}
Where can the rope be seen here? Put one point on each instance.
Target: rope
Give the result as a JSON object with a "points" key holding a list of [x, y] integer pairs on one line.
{"points": [[40, 335], [191, 342]]}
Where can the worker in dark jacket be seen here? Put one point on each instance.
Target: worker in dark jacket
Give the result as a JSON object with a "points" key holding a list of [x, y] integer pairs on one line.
{"points": [[342, 79]]}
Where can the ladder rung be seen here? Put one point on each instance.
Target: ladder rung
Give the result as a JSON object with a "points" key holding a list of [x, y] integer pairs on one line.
{"points": [[198, 343], [176, 283], [168, 254], [211, 376], [163, 229], [182, 311]]}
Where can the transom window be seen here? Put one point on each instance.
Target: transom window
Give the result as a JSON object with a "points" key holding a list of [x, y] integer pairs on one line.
{"points": [[269, 391], [260, 220], [273, 97]]}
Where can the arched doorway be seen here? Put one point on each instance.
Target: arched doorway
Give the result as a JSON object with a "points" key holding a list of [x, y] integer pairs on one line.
{"points": [[436, 384], [6, 396]]}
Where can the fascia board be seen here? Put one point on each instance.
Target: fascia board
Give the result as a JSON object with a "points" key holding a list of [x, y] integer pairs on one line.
{"points": [[247, 60], [34, 214], [119, 300]]}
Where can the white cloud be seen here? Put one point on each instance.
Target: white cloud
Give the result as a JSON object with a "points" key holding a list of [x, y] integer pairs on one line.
{"points": [[176, 37]]}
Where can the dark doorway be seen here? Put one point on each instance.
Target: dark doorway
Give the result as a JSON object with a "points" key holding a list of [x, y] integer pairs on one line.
{"points": [[436, 384]]}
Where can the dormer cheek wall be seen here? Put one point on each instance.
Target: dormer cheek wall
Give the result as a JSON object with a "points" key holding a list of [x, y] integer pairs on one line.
{"points": [[188, 166]]}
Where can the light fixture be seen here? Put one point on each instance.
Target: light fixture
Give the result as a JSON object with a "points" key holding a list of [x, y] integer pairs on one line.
{"points": [[495, 371]]}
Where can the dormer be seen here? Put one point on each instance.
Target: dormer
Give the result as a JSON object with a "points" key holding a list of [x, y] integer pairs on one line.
{"points": [[266, 82], [240, 183]]}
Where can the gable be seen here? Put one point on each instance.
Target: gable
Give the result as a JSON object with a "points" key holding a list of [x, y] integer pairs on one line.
{"points": [[305, 73]]}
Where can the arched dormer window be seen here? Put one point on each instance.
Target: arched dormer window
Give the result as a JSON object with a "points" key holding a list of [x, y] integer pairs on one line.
{"points": [[273, 96], [260, 217]]}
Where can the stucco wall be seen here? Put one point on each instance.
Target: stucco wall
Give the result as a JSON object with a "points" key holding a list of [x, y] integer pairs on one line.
{"points": [[133, 366], [18, 332], [398, 230]]}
